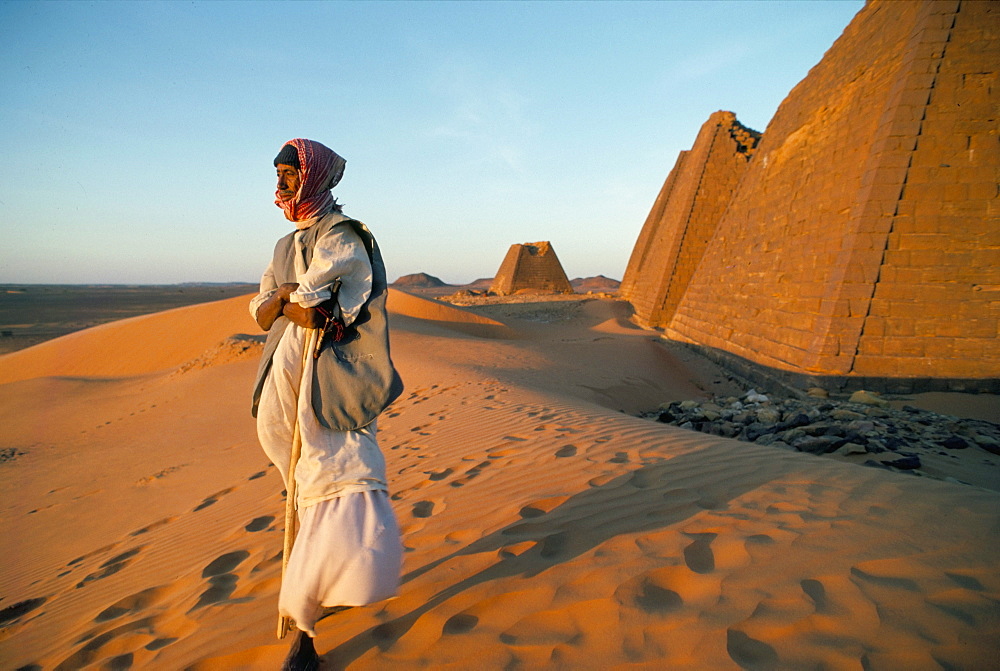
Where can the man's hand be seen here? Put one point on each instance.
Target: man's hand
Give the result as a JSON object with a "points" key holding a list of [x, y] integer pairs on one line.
{"points": [[286, 289], [274, 306], [309, 318]]}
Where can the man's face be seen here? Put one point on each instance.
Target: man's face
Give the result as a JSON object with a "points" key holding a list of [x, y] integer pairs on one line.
{"points": [[288, 181]]}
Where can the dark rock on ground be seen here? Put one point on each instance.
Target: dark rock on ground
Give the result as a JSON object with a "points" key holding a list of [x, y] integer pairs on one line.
{"points": [[821, 425]]}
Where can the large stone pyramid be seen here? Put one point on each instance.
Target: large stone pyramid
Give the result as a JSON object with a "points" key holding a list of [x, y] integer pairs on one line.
{"points": [[859, 238], [532, 266]]}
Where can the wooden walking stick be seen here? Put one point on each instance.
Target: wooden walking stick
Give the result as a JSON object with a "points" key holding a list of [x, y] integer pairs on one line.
{"points": [[291, 519]]}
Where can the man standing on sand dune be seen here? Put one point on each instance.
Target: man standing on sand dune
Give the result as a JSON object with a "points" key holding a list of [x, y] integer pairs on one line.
{"points": [[324, 377]]}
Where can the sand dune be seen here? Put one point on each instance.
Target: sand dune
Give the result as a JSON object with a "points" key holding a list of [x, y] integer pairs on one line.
{"points": [[411, 310], [544, 527], [133, 346]]}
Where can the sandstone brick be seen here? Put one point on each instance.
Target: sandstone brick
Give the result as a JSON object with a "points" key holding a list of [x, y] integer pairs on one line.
{"points": [[871, 346], [909, 310], [813, 256], [895, 326], [982, 190], [921, 241], [965, 368], [940, 347], [841, 366], [888, 192], [875, 327], [875, 366], [903, 347], [970, 348], [924, 208]]}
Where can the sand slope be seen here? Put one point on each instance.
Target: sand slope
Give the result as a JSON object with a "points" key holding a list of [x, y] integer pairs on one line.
{"points": [[544, 527], [133, 346]]}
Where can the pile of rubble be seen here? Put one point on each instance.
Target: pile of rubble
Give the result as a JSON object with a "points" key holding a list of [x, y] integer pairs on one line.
{"points": [[864, 424]]}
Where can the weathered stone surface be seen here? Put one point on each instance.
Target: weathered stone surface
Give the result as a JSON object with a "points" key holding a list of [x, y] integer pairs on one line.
{"points": [[907, 463], [954, 443], [857, 236], [851, 448], [528, 267], [868, 398], [684, 217]]}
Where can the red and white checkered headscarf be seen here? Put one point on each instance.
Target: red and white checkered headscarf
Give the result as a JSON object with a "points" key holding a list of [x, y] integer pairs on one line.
{"points": [[320, 169]]}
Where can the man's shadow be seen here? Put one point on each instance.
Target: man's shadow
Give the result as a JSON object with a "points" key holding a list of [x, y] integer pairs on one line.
{"points": [[652, 497]]}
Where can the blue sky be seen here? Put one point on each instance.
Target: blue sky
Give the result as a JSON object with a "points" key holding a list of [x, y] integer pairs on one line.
{"points": [[140, 135]]}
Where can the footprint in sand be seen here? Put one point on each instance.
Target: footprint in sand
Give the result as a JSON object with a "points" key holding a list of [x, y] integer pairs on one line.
{"points": [[750, 653], [224, 563], [423, 509], [132, 604], [259, 523], [698, 555], [159, 475], [258, 474], [15, 611], [893, 582], [111, 566], [214, 498], [471, 473], [657, 599], [643, 479], [814, 590], [154, 525], [90, 651], [501, 453], [648, 594], [222, 583], [761, 547], [220, 588], [102, 550], [460, 624], [265, 564], [440, 475], [566, 451], [966, 581], [542, 506]]}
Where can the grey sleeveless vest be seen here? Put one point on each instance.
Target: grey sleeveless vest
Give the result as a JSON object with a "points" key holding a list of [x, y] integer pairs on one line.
{"points": [[354, 379]]}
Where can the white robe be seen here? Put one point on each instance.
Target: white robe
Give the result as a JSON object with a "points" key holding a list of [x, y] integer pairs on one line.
{"points": [[347, 551]]}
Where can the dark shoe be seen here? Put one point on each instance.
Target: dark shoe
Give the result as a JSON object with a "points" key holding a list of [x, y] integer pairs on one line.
{"points": [[302, 655]]}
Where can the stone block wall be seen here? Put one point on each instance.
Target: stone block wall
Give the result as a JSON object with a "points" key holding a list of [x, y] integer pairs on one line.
{"points": [[935, 310], [862, 238], [531, 267], [684, 217]]}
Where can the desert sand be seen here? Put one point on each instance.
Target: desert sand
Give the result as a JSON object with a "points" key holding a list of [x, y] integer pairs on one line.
{"points": [[545, 526]]}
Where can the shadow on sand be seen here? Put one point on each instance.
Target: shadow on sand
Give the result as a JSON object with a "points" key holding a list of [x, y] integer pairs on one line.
{"points": [[652, 497]]}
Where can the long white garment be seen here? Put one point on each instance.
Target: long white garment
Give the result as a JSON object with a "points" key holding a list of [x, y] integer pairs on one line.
{"points": [[332, 463], [347, 551]]}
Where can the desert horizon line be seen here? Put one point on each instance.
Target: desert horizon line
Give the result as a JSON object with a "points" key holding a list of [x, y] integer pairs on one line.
{"points": [[235, 282]]}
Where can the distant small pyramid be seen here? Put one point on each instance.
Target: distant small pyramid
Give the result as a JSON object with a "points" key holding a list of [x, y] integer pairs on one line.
{"points": [[531, 267]]}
